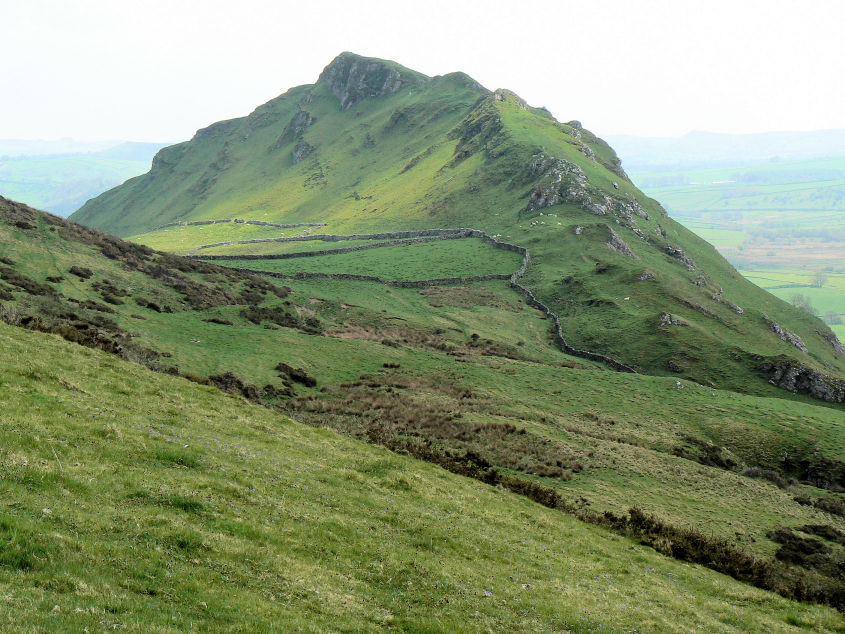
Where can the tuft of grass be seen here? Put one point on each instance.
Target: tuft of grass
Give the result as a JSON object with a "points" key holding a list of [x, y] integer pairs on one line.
{"points": [[21, 546]]}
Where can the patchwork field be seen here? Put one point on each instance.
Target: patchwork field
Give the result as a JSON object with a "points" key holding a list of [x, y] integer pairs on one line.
{"points": [[780, 223]]}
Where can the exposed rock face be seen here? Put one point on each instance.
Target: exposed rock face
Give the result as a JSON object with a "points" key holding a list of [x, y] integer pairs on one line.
{"points": [[301, 151], [803, 380], [679, 254], [665, 319], [352, 78], [787, 336], [560, 181], [296, 127], [833, 340], [618, 244], [629, 208]]}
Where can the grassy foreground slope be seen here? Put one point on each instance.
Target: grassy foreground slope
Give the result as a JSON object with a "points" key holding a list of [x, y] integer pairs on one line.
{"points": [[144, 502], [465, 370], [373, 147]]}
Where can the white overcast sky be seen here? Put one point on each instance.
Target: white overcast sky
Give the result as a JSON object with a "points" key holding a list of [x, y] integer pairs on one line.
{"points": [[154, 70]]}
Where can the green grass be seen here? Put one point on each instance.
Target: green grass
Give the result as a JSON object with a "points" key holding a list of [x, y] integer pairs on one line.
{"points": [[447, 154], [519, 378], [212, 513], [272, 248], [479, 352], [186, 238], [418, 261]]}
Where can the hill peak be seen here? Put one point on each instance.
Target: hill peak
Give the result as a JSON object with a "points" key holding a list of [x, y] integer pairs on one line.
{"points": [[352, 78]]}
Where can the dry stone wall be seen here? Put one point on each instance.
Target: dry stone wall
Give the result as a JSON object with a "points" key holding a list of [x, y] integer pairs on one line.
{"points": [[407, 237], [198, 223]]}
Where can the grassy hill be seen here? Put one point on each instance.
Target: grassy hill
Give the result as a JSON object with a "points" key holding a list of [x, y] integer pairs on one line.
{"points": [[147, 503], [465, 376], [374, 147]]}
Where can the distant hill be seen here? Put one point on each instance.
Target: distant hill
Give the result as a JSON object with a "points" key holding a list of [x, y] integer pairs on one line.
{"points": [[702, 149], [10, 148], [375, 147], [60, 176]]}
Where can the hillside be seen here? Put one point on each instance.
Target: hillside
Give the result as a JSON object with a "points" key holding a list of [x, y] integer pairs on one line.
{"points": [[463, 375], [373, 147], [780, 222], [146, 503]]}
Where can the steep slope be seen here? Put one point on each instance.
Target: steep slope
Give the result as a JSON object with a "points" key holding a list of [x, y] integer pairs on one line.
{"points": [[463, 375], [142, 502], [375, 147]]}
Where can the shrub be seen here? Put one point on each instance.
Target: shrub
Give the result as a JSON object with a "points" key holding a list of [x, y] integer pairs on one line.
{"points": [[81, 272], [297, 375]]}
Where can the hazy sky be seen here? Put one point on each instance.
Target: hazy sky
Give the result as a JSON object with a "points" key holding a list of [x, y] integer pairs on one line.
{"points": [[155, 70]]}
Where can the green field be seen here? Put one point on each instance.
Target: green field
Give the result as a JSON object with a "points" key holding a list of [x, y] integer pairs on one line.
{"points": [[804, 185], [271, 248], [183, 239], [468, 371], [419, 261], [481, 338]]}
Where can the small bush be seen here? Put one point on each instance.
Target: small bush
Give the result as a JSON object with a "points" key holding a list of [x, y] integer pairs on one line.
{"points": [[81, 272], [217, 320], [231, 384], [833, 505], [771, 475], [25, 283], [297, 375]]}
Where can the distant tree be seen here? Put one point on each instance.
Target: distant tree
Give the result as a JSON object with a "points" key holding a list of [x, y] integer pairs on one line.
{"points": [[819, 279], [803, 302], [832, 317]]}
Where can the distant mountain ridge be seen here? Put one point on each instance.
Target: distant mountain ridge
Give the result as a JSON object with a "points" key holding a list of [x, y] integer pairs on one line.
{"points": [[706, 148]]}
